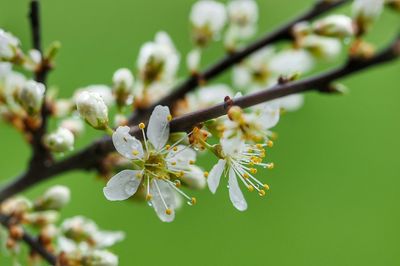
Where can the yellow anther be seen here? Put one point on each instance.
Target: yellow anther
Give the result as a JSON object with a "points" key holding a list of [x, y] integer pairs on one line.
{"points": [[246, 175], [253, 170], [205, 174], [159, 164], [169, 117], [178, 183], [250, 188], [175, 148], [173, 163], [261, 193], [271, 166], [194, 200], [167, 146], [191, 162], [270, 143], [149, 197], [142, 125], [181, 174], [266, 187], [135, 152], [259, 146], [168, 211], [262, 155]]}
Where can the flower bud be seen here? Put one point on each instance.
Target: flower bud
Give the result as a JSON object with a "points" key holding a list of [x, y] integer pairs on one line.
{"points": [[92, 109], [122, 86], [33, 60], [42, 218], [61, 140], [73, 124], [193, 60], [31, 96], [235, 113], [339, 26], [100, 258], [54, 198], [9, 46]]}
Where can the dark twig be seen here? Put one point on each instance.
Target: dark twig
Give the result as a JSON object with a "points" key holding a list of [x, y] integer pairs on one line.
{"points": [[282, 33], [89, 158], [33, 243]]}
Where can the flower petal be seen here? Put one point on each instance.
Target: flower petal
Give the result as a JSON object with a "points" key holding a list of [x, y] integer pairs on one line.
{"points": [[194, 177], [126, 145], [122, 185], [158, 129], [269, 116], [235, 194], [163, 198], [180, 158], [215, 175]]}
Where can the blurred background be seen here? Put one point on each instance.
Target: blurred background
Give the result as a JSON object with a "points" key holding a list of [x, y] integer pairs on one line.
{"points": [[334, 197]]}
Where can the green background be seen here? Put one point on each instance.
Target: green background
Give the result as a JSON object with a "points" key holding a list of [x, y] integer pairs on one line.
{"points": [[334, 196]]}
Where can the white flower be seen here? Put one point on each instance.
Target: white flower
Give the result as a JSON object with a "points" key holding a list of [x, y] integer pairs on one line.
{"points": [[288, 62], [208, 18], [73, 124], [62, 140], [323, 47], [5, 69], [158, 166], [291, 103], [100, 258], [334, 26], [31, 96], [237, 162], [92, 108], [83, 230], [366, 11], [123, 78], [158, 60], [254, 72], [54, 198], [9, 46], [243, 16]]}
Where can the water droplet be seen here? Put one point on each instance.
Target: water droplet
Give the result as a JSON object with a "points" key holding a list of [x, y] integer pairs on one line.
{"points": [[149, 203]]}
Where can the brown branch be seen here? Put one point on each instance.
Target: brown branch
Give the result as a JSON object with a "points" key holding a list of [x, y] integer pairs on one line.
{"points": [[32, 242], [282, 33], [89, 158]]}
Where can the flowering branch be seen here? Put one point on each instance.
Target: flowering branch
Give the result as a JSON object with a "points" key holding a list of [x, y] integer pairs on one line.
{"points": [[33, 243], [282, 33]]}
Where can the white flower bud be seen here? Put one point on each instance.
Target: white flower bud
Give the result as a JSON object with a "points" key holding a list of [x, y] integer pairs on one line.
{"points": [[193, 60], [100, 258], [243, 16], [366, 11], [61, 140], [33, 60], [323, 47], [122, 79], [340, 26], [42, 217], [92, 109], [289, 62], [75, 125], [102, 90], [208, 18], [54, 198], [9, 46], [122, 86], [31, 96]]}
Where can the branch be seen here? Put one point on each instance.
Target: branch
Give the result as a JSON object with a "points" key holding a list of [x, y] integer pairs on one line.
{"points": [[89, 158], [280, 34], [41, 155], [33, 243]]}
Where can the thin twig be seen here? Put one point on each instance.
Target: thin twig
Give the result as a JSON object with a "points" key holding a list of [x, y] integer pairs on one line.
{"points": [[282, 33], [33, 243], [89, 158]]}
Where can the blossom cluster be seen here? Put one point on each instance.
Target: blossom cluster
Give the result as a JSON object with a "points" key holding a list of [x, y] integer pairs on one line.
{"points": [[152, 162], [76, 240]]}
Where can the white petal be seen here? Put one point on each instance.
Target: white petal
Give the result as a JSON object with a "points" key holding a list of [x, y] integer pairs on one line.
{"points": [[122, 185], [235, 194], [270, 115], [180, 158], [127, 145], [158, 129], [105, 239], [215, 175], [194, 178], [163, 198]]}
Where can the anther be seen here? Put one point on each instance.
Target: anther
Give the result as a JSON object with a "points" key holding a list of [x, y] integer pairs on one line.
{"points": [[270, 143], [169, 118], [250, 188], [205, 174], [142, 125], [271, 166], [266, 187], [168, 211], [194, 200], [149, 197], [261, 193]]}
